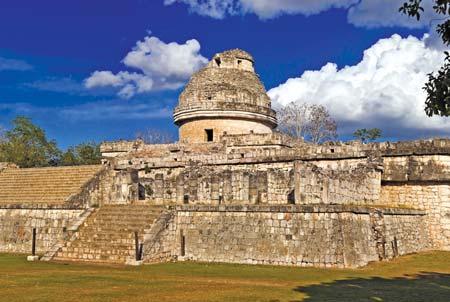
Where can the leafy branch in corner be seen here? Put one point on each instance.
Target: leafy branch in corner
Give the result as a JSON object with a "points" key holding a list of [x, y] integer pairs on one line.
{"points": [[438, 85], [438, 90]]}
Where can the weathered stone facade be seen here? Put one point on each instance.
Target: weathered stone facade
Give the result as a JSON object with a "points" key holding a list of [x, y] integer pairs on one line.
{"points": [[241, 193], [328, 236], [225, 97], [16, 227]]}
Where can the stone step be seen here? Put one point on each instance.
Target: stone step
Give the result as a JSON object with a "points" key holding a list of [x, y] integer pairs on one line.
{"points": [[108, 246], [89, 233], [135, 209], [108, 234], [95, 258], [112, 258], [105, 241], [125, 219], [56, 191]]}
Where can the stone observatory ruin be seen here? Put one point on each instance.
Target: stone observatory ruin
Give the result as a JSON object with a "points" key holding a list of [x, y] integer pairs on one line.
{"points": [[225, 97], [233, 190]]}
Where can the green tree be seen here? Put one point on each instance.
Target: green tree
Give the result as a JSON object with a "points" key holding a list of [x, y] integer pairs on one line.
{"points": [[27, 145], [438, 85], [82, 154], [367, 135], [68, 158]]}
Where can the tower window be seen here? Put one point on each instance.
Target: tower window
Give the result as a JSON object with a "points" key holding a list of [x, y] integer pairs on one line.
{"points": [[217, 61], [209, 135], [239, 62]]}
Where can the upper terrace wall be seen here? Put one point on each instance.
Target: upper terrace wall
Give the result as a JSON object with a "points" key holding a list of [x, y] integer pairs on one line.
{"points": [[434, 167], [421, 182], [267, 148], [246, 160], [357, 185], [225, 184]]}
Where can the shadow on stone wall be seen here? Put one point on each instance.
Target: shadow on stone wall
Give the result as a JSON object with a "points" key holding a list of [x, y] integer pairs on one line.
{"points": [[426, 286]]}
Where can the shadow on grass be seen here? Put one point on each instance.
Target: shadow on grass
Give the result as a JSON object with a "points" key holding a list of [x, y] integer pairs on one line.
{"points": [[425, 286]]}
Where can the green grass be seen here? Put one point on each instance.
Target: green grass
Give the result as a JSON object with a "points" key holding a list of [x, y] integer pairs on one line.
{"points": [[421, 277]]}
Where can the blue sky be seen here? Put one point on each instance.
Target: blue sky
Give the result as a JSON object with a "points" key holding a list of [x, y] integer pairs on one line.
{"points": [[50, 49]]}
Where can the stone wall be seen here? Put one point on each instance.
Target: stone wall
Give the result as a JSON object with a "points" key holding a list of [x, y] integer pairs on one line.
{"points": [[16, 228], [227, 184], [195, 131], [326, 236], [432, 197], [160, 241], [404, 234], [108, 187], [359, 185], [417, 168]]}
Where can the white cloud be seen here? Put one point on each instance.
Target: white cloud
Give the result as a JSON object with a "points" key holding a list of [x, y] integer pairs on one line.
{"points": [[217, 9], [383, 90], [14, 65], [362, 13], [262, 8], [269, 8], [160, 66], [384, 13]]}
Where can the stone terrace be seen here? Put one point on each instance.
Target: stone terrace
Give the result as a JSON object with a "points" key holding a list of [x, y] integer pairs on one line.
{"points": [[44, 185]]}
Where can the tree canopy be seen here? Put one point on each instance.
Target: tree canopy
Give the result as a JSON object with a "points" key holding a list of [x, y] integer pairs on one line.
{"points": [[27, 145], [438, 85], [367, 135], [82, 154], [307, 121]]}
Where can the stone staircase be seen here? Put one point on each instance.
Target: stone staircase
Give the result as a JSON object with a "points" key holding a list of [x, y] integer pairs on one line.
{"points": [[44, 185], [108, 234]]}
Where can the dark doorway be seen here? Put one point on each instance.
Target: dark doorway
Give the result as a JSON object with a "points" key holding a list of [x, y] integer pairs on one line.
{"points": [[291, 197], [141, 192], [209, 135]]}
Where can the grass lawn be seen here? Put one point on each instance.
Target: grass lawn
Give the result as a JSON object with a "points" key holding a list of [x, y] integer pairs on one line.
{"points": [[422, 277]]}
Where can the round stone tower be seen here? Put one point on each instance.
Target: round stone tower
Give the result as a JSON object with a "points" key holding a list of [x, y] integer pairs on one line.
{"points": [[224, 97]]}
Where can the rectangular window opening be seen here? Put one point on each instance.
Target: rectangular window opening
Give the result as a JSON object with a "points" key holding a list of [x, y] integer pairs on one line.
{"points": [[209, 135]]}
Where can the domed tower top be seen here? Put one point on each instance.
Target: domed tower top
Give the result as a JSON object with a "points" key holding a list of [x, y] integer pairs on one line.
{"points": [[224, 97], [234, 58]]}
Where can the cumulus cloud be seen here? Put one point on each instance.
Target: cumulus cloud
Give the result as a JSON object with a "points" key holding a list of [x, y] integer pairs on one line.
{"points": [[14, 65], [383, 90], [217, 9], [159, 65], [262, 8], [362, 13], [384, 13], [269, 8]]}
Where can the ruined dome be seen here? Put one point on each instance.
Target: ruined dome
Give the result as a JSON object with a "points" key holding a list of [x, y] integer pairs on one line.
{"points": [[226, 89]]}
